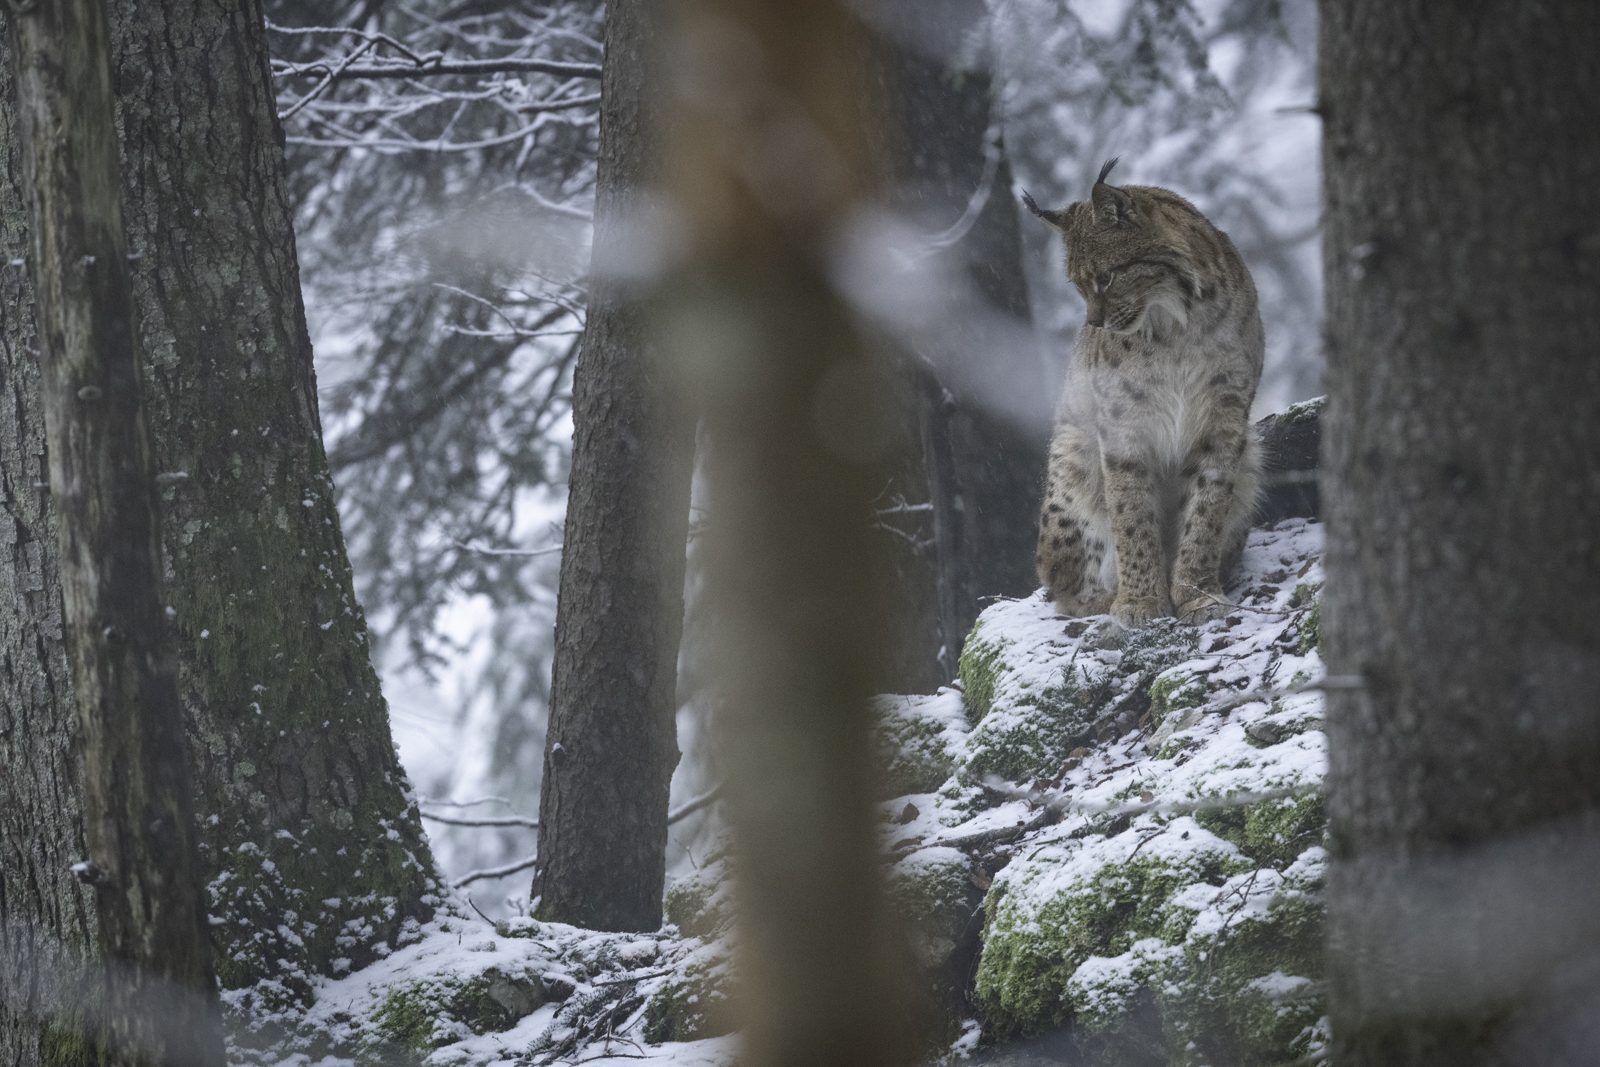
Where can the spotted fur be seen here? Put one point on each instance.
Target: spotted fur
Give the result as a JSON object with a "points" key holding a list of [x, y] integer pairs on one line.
{"points": [[1154, 468]]}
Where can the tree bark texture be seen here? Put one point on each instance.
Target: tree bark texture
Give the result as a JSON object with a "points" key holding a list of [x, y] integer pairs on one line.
{"points": [[142, 855], [47, 919], [770, 156], [290, 730], [611, 745], [314, 854], [976, 406], [1462, 456]]}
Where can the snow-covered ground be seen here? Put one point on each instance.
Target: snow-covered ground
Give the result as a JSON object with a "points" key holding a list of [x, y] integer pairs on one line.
{"points": [[1139, 813]]}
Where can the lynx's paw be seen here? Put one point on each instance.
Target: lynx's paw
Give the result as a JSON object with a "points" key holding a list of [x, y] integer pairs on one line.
{"points": [[1084, 605], [1136, 611], [1200, 606]]}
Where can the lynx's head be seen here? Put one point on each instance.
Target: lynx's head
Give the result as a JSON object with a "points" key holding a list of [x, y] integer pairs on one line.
{"points": [[1141, 256]]}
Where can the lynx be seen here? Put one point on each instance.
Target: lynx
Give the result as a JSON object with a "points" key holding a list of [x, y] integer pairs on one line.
{"points": [[1154, 468]]}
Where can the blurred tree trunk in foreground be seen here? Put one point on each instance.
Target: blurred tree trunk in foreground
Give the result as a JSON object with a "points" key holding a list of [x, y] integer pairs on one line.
{"points": [[142, 857], [611, 745], [314, 859], [769, 159], [1462, 445]]}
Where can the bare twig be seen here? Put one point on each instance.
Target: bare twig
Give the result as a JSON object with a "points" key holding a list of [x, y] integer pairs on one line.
{"points": [[437, 65], [326, 81], [494, 872]]}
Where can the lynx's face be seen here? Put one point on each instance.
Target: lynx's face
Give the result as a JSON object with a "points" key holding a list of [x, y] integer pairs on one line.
{"points": [[1129, 254], [1131, 292]]}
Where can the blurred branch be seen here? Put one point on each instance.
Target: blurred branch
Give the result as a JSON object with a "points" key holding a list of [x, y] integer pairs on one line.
{"points": [[463, 803], [689, 807], [506, 551], [500, 820]]}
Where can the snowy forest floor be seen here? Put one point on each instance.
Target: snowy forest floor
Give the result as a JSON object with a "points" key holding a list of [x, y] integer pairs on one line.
{"points": [[1136, 813]]}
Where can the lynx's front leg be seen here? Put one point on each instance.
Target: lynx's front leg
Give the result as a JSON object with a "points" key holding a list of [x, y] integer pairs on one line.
{"points": [[1223, 474], [1142, 590], [1071, 552]]}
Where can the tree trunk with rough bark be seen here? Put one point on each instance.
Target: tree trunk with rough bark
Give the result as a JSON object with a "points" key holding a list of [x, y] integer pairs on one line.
{"points": [[1462, 456], [288, 725], [47, 919], [142, 859], [314, 853], [611, 745]]}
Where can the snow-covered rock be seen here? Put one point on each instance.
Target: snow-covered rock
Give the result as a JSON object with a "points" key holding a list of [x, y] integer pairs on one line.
{"points": [[1148, 806]]}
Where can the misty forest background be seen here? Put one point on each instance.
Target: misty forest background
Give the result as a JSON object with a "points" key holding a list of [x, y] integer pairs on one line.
{"points": [[444, 228]]}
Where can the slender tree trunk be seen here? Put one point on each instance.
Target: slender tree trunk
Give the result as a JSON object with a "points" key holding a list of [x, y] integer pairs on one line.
{"points": [[770, 159], [612, 742], [314, 854], [984, 416], [1462, 452], [140, 829]]}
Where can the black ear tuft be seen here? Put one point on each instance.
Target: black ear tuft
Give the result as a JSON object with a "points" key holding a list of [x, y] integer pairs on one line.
{"points": [[1106, 169], [1031, 204]]}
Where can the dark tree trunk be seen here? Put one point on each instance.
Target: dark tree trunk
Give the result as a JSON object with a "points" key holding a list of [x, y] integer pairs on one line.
{"points": [[139, 823], [792, 401], [612, 742], [977, 401], [290, 729], [1462, 456], [47, 921], [314, 856]]}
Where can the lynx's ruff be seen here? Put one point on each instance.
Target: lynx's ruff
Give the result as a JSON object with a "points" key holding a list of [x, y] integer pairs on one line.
{"points": [[1154, 468]]}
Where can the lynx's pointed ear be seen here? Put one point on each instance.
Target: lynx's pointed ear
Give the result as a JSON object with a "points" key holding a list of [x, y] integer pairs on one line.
{"points": [[1111, 204]]}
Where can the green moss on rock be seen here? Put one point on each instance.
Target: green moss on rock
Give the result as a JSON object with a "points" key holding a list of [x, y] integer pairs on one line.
{"points": [[981, 660], [701, 904], [1114, 1007], [1033, 732], [917, 739], [1164, 945], [932, 893], [1304, 411], [1311, 629], [1247, 989], [426, 1014], [1172, 692], [1071, 902], [1271, 832], [1276, 832], [690, 1005]]}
